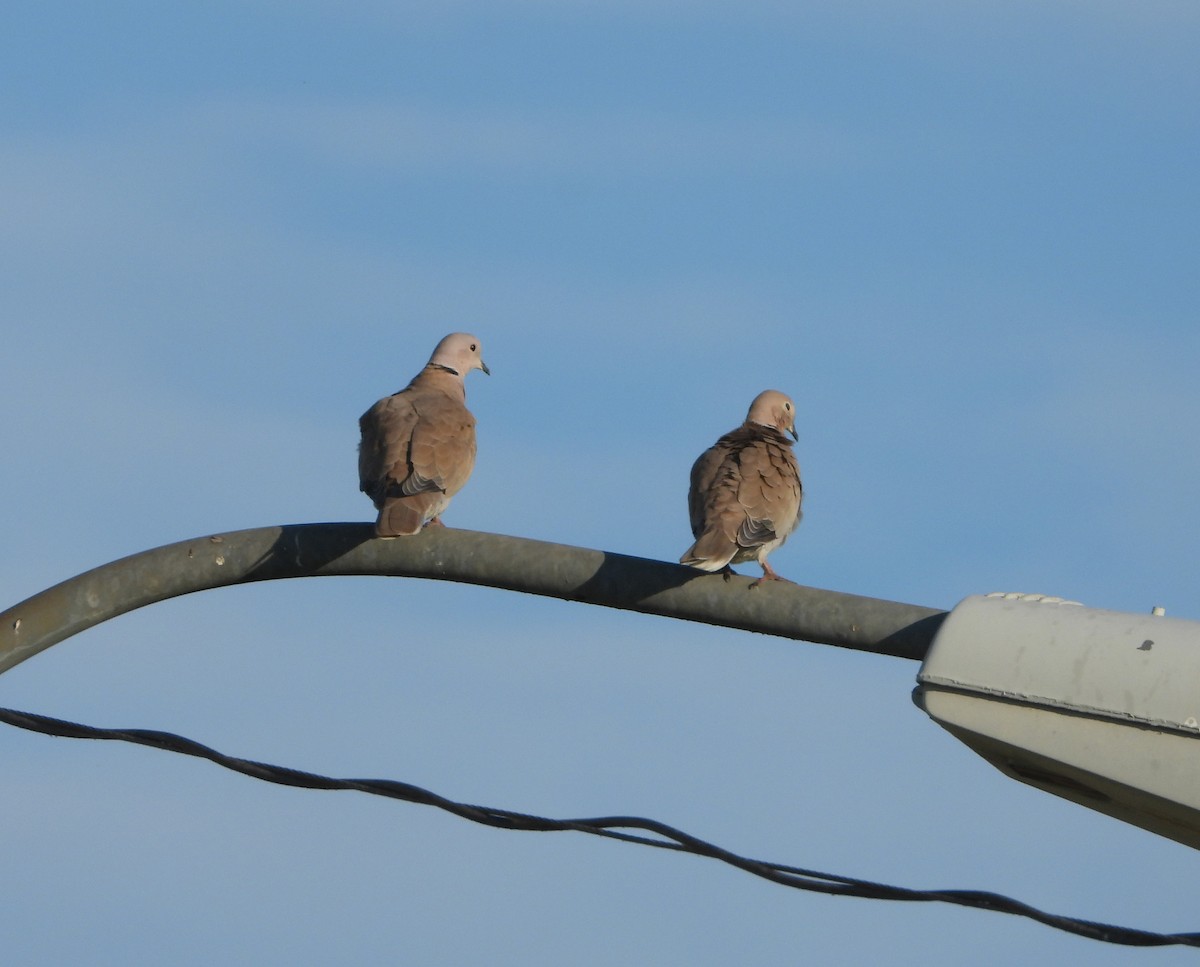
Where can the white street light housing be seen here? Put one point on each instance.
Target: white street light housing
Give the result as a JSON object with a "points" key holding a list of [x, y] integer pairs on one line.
{"points": [[1100, 707]]}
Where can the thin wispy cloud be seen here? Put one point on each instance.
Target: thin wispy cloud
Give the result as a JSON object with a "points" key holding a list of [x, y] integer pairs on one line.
{"points": [[407, 136]]}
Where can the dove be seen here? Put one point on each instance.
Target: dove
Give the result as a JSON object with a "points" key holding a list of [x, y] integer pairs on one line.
{"points": [[745, 492], [418, 445]]}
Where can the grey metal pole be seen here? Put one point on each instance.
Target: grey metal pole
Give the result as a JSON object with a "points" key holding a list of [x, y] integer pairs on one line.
{"points": [[513, 563]]}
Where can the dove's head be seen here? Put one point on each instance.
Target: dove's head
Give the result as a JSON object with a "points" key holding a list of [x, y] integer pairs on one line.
{"points": [[774, 409], [459, 352]]}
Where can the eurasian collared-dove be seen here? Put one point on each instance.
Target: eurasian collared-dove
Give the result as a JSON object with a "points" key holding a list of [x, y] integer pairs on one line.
{"points": [[745, 493], [418, 445]]}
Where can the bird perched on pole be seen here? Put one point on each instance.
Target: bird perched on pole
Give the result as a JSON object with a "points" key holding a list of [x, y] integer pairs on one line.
{"points": [[745, 492], [418, 445]]}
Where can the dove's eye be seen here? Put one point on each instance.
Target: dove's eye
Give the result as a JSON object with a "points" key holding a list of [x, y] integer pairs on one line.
{"points": [[472, 347], [787, 406]]}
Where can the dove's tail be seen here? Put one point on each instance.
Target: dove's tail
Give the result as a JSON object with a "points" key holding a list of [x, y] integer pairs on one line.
{"points": [[403, 516], [711, 552]]}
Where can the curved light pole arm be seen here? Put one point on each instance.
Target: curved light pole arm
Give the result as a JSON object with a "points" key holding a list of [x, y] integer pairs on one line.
{"points": [[513, 563]]}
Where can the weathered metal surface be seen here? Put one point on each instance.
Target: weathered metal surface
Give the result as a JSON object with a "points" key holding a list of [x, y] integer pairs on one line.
{"points": [[516, 564], [1099, 707]]}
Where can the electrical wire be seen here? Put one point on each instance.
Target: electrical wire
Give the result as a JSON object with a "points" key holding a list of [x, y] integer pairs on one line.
{"points": [[630, 829]]}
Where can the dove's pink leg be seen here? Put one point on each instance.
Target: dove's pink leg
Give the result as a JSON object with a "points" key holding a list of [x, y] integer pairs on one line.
{"points": [[769, 575]]}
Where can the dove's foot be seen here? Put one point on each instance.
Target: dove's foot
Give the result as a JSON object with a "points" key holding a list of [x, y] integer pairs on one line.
{"points": [[769, 575]]}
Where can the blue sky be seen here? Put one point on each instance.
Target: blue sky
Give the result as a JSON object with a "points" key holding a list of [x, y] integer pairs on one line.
{"points": [[963, 237]]}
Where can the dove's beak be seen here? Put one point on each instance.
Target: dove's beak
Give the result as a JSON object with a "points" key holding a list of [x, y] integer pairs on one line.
{"points": [[483, 366], [795, 435]]}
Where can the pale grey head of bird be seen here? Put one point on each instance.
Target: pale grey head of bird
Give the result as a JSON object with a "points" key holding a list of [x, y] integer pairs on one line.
{"points": [[774, 409], [459, 352]]}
